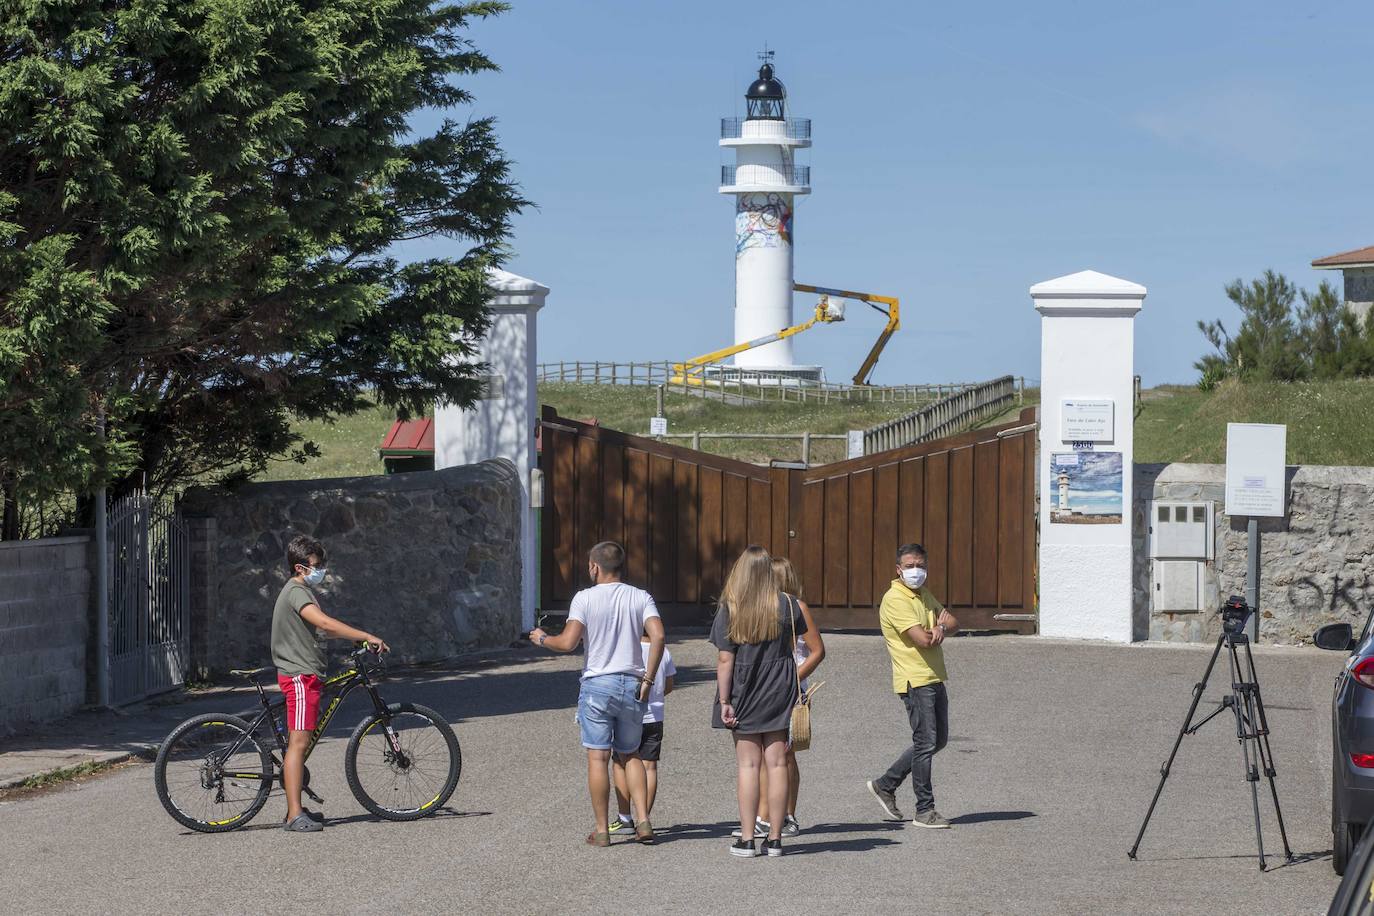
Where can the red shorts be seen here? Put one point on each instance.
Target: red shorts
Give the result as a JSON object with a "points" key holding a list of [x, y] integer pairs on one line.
{"points": [[303, 693]]}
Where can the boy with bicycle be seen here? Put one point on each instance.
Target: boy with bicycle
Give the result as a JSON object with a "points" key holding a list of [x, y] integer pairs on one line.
{"points": [[300, 666]]}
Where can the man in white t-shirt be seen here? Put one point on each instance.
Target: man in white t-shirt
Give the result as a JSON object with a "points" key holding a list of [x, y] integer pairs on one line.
{"points": [[616, 678]]}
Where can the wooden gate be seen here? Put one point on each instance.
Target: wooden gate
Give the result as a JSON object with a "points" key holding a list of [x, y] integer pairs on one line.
{"points": [[684, 516]]}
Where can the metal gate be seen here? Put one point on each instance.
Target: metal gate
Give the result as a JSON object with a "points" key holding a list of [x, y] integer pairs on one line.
{"points": [[150, 598], [685, 515]]}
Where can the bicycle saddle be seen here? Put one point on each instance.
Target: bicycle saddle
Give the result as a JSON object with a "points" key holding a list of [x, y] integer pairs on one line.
{"points": [[249, 672]]}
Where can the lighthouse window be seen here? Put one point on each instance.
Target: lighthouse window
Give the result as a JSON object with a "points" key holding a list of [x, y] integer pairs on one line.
{"points": [[1180, 513], [1163, 513]]}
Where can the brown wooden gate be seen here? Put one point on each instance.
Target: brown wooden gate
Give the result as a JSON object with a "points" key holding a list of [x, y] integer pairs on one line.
{"points": [[684, 516]]}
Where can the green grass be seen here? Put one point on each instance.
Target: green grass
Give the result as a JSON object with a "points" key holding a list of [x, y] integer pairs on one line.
{"points": [[67, 774], [629, 409], [1328, 422]]}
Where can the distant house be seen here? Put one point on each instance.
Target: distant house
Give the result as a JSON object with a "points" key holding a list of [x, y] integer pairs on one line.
{"points": [[1357, 270], [408, 446]]}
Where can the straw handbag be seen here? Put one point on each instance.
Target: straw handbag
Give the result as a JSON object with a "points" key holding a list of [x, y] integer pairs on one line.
{"points": [[799, 731]]}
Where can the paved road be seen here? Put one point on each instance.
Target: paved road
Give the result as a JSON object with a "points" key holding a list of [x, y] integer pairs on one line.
{"points": [[1054, 754]]}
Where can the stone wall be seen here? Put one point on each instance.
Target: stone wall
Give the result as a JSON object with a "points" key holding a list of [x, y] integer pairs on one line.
{"points": [[1316, 564], [428, 560], [44, 605]]}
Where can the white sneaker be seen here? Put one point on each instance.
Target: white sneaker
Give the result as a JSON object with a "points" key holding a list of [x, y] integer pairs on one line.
{"points": [[760, 829]]}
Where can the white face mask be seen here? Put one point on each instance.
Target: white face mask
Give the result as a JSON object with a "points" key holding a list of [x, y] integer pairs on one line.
{"points": [[315, 576], [914, 577]]}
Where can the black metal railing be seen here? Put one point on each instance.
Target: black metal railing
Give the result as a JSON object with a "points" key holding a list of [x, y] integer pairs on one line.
{"points": [[793, 128], [781, 176]]}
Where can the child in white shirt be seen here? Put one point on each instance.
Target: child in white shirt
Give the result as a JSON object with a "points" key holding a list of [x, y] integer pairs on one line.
{"points": [[650, 745]]}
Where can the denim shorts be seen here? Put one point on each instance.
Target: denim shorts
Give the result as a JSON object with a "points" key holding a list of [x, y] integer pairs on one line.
{"points": [[610, 714]]}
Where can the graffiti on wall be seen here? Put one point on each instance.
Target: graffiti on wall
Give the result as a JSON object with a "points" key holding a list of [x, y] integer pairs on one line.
{"points": [[762, 221]]}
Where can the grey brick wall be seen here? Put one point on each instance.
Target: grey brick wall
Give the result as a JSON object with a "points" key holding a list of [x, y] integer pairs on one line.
{"points": [[427, 560], [1316, 563], [44, 629]]}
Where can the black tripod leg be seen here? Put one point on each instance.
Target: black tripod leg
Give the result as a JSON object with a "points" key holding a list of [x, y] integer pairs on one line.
{"points": [[1245, 725], [1267, 753], [1198, 688]]}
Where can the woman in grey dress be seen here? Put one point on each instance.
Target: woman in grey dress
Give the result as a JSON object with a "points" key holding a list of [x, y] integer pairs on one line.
{"points": [[756, 687]]}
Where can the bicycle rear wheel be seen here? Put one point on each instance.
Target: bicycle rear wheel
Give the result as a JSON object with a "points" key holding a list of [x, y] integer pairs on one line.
{"points": [[412, 779], [206, 782]]}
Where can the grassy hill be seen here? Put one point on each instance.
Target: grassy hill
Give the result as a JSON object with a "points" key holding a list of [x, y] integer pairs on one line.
{"points": [[1328, 423]]}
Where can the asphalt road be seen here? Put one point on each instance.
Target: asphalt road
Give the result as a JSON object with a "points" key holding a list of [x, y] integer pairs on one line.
{"points": [[1054, 753]]}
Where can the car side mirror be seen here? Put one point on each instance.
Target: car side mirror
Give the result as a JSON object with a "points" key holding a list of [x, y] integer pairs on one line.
{"points": [[1337, 636]]}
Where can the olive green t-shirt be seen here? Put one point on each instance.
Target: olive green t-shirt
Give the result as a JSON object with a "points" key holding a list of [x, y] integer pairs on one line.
{"points": [[294, 648]]}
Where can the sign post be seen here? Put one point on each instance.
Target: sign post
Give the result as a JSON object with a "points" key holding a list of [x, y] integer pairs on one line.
{"points": [[1256, 485]]}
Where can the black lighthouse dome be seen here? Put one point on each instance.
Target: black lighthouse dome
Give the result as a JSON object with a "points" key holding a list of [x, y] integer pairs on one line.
{"points": [[766, 96]]}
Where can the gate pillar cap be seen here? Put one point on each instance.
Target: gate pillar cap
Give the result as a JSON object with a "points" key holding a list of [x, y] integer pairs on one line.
{"points": [[1087, 290]]}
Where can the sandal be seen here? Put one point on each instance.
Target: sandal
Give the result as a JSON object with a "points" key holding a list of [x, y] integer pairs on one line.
{"points": [[599, 838], [644, 832]]}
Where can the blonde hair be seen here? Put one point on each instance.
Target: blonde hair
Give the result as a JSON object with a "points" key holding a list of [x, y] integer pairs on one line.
{"points": [[751, 596], [785, 577]]}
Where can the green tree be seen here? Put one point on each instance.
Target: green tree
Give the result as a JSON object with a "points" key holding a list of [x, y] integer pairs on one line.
{"points": [[1337, 343], [1267, 344], [197, 203]]}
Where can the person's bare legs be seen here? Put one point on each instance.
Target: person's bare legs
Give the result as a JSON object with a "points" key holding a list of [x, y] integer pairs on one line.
{"points": [[293, 771], [793, 782], [637, 784], [599, 785], [650, 785], [775, 759], [749, 758], [763, 793], [622, 794]]}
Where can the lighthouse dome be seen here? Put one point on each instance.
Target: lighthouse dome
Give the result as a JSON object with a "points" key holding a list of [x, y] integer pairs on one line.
{"points": [[766, 96]]}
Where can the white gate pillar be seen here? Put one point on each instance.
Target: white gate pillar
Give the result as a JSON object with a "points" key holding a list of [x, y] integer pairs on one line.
{"points": [[501, 425], [1087, 337]]}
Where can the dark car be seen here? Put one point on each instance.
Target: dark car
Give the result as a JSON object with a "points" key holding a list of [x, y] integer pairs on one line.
{"points": [[1353, 897], [1352, 734]]}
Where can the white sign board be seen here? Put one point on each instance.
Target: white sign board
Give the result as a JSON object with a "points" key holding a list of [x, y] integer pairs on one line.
{"points": [[1255, 465], [1086, 420], [658, 426], [856, 443]]}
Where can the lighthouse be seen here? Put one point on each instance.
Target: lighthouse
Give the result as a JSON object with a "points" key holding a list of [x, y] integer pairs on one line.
{"points": [[765, 182]]}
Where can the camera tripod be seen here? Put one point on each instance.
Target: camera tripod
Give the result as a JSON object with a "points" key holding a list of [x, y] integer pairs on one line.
{"points": [[1252, 731]]}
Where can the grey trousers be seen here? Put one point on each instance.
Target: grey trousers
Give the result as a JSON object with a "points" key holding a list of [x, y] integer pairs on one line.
{"points": [[927, 708]]}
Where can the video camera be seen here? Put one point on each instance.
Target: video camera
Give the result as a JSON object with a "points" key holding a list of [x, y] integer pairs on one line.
{"points": [[1234, 613]]}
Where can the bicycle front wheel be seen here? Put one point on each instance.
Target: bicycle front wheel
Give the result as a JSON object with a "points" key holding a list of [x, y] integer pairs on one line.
{"points": [[405, 764], [211, 773]]}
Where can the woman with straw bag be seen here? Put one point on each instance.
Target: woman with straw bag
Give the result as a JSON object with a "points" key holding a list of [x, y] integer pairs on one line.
{"points": [[755, 631]]}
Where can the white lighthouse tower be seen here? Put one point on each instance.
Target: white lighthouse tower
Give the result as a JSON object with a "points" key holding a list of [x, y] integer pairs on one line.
{"points": [[765, 181]]}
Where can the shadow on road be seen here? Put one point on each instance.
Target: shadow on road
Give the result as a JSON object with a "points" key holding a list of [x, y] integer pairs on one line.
{"points": [[984, 817]]}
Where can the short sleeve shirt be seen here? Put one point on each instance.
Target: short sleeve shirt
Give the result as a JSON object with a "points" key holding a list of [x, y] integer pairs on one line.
{"points": [[294, 647], [653, 712], [901, 610], [613, 614]]}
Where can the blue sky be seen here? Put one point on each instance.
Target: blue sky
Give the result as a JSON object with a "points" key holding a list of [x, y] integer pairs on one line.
{"points": [[962, 153]]}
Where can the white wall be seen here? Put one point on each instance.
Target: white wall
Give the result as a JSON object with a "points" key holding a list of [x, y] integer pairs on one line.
{"points": [[1087, 344], [763, 276], [503, 427]]}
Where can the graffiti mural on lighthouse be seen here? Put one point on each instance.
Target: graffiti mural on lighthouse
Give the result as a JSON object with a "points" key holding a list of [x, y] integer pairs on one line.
{"points": [[762, 221]]}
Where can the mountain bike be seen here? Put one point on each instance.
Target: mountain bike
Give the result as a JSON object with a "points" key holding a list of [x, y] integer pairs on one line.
{"points": [[214, 771]]}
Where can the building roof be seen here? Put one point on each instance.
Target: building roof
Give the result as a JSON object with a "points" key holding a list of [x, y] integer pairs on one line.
{"points": [[1360, 257], [409, 437]]}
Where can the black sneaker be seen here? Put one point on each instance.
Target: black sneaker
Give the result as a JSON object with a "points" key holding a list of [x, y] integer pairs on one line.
{"points": [[744, 849], [772, 847], [886, 799]]}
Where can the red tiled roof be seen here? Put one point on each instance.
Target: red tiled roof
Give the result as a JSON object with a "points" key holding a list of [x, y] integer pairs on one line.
{"points": [[1346, 258], [410, 436]]}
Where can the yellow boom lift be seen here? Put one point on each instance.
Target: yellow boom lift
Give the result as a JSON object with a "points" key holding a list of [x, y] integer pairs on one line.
{"points": [[693, 372]]}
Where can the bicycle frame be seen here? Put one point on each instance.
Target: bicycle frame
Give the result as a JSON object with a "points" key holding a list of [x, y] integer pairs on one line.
{"points": [[345, 684]]}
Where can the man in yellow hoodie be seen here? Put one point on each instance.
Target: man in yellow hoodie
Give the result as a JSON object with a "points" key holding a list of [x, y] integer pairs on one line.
{"points": [[915, 625]]}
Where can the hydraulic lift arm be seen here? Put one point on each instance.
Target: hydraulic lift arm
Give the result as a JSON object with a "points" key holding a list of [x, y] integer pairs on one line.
{"points": [[887, 305], [689, 373]]}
